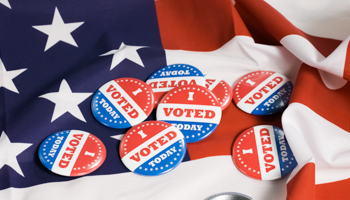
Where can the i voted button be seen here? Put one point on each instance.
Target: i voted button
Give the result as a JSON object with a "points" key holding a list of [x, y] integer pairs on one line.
{"points": [[122, 103], [262, 92], [152, 148], [193, 109], [221, 90], [171, 76], [262, 152], [72, 153]]}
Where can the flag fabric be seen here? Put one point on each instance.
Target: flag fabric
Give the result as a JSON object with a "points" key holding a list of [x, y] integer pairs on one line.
{"points": [[54, 55]]}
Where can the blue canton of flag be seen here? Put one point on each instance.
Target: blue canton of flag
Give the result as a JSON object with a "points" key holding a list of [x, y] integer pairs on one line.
{"points": [[53, 57]]}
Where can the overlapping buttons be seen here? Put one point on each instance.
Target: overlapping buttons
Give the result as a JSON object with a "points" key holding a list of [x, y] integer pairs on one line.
{"points": [[193, 109], [221, 90], [171, 76]]}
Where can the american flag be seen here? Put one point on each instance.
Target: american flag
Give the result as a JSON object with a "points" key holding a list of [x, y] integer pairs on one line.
{"points": [[54, 55]]}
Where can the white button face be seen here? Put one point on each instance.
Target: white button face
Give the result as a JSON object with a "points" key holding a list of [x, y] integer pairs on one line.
{"points": [[194, 110]]}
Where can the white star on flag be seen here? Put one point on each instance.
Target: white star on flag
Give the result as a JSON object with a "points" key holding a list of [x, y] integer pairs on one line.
{"points": [[58, 31], [9, 152], [6, 77], [66, 101], [118, 137], [5, 3], [125, 52]]}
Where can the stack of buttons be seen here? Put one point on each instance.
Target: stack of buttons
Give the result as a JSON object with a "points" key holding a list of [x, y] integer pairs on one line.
{"points": [[192, 109], [171, 76], [189, 109], [221, 90]]}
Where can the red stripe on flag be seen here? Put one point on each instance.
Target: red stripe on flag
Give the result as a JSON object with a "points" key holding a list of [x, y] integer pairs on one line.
{"points": [[335, 190], [302, 186], [347, 64], [239, 26], [324, 45], [268, 26], [333, 105], [196, 25], [261, 16]]}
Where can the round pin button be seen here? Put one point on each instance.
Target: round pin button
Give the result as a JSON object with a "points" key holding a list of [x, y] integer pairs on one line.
{"points": [[193, 109], [262, 92], [229, 196], [172, 76], [122, 103], [152, 148], [72, 153], [262, 152], [221, 89]]}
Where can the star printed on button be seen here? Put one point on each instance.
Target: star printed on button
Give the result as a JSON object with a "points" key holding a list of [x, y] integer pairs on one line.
{"points": [[125, 52], [59, 31], [9, 152], [5, 3], [7, 77], [66, 101]]}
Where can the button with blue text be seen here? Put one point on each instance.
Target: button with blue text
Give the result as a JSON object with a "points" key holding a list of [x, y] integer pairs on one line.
{"points": [[122, 103], [172, 76], [193, 109], [262, 152], [72, 153], [152, 148], [262, 92], [221, 89]]}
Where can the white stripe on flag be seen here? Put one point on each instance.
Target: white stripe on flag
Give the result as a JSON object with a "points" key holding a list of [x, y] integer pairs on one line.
{"points": [[238, 57], [314, 139]]}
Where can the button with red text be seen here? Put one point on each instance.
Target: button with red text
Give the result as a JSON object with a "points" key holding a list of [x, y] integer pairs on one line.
{"points": [[193, 109], [72, 153], [172, 76], [262, 152], [262, 92], [152, 148], [221, 89], [122, 103]]}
